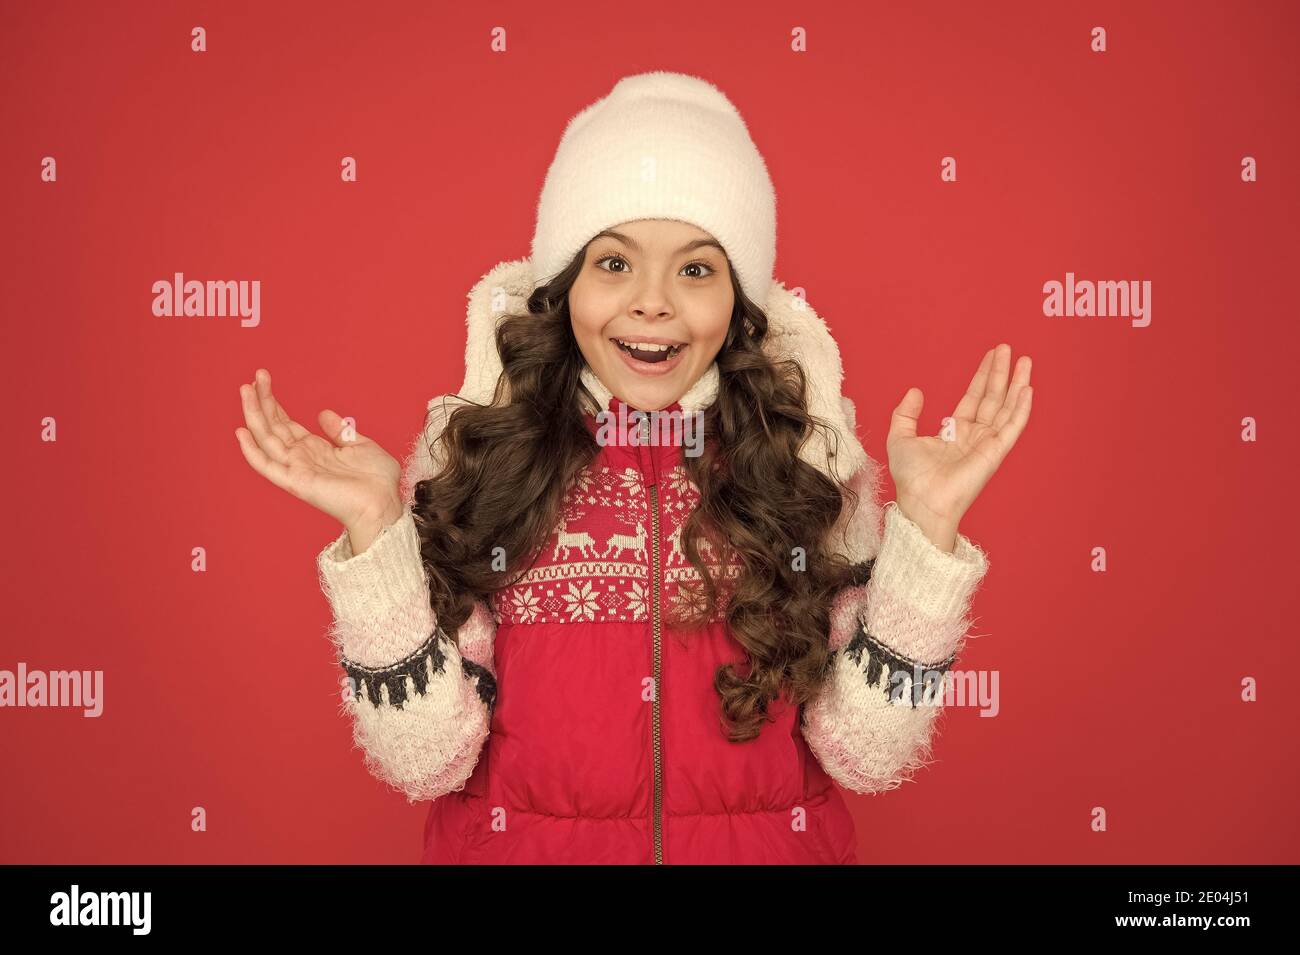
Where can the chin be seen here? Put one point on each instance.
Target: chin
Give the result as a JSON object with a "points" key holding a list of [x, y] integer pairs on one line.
{"points": [[638, 395]]}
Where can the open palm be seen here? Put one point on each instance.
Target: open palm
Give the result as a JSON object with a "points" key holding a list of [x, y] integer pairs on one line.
{"points": [[938, 477], [349, 476]]}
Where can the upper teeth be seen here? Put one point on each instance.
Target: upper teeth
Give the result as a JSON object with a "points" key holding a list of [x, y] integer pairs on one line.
{"points": [[644, 346]]}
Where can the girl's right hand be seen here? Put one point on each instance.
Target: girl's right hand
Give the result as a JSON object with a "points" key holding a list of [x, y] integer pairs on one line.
{"points": [[349, 477]]}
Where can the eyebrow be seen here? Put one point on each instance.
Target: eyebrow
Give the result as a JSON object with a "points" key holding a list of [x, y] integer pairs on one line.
{"points": [[689, 246]]}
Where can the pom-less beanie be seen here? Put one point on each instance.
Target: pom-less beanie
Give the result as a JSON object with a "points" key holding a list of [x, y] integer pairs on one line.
{"points": [[660, 145]]}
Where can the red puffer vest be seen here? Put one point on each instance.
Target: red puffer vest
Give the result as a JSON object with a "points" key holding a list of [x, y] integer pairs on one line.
{"points": [[606, 743]]}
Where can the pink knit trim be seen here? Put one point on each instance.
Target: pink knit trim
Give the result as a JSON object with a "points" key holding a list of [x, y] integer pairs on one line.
{"points": [[844, 614], [890, 763]]}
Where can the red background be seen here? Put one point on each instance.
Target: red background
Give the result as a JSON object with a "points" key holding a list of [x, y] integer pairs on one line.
{"points": [[1119, 690]]}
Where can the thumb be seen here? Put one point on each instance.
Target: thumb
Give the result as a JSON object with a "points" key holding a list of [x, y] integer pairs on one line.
{"points": [[342, 431], [903, 423]]}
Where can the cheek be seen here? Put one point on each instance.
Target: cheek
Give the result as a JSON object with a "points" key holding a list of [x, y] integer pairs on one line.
{"points": [[582, 330], [586, 314], [714, 330], [716, 318]]}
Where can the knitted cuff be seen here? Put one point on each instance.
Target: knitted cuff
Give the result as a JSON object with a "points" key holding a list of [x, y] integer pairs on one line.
{"points": [[919, 595], [380, 597]]}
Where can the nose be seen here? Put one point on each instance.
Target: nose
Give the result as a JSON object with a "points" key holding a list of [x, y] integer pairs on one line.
{"points": [[651, 312], [651, 299], [650, 303]]}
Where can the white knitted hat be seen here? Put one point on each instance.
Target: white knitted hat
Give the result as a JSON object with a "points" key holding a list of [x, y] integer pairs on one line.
{"points": [[660, 146]]}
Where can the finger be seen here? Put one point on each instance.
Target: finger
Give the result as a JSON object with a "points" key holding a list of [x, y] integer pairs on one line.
{"points": [[281, 421], [1008, 434], [258, 427], [273, 471], [262, 385], [905, 417], [1018, 382], [975, 390], [338, 430], [996, 392]]}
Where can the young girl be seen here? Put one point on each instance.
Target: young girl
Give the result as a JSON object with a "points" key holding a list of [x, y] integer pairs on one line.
{"points": [[628, 599]]}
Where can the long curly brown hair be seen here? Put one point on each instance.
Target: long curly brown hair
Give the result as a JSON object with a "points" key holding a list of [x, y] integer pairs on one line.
{"points": [[509, 463]]}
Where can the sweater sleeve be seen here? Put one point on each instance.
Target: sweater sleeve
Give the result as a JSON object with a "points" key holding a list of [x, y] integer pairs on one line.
{"points": [[420, 707], [905, 618]]}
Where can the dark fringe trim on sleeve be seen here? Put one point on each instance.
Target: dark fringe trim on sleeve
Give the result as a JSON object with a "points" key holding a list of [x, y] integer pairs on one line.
{"points": [[486, 685], [881, 659], [417, 666]]}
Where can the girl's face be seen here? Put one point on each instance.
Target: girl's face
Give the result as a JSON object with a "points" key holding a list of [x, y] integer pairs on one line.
{"points": [[657, 282]]}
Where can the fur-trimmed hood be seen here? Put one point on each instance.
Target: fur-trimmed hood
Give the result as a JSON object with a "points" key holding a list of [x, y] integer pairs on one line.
{"points": [[795, 331]]}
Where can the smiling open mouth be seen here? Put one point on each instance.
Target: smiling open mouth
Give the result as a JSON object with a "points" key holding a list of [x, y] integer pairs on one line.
{"points": [[649, 353]]}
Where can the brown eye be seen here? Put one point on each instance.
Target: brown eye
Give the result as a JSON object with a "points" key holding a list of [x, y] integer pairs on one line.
{"points": [[609, 258], [691, 265]]}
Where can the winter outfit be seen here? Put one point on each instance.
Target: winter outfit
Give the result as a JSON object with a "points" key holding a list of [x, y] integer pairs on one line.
{"points": [[572, 723]]}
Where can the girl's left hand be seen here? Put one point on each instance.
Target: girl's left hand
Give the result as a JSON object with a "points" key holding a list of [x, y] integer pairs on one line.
{"points": [[938, 478]]}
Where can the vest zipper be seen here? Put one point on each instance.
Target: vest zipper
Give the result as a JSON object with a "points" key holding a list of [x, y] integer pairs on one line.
{"points": [[658, 672], [656, 592]]}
